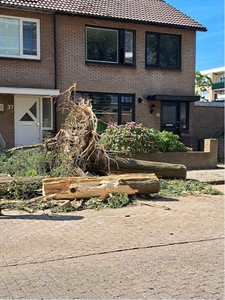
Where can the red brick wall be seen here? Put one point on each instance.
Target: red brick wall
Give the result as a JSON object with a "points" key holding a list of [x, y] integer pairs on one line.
{"points": [[7, 119], [92, 78], [31, 73], [25, 73], [114, 79]]}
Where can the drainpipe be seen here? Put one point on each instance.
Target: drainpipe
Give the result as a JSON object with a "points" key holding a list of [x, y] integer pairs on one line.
{"points": [[55, 70]]}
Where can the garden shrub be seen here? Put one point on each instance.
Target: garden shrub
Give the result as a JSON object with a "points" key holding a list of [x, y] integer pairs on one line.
{"points": [[32, 163], [22, 163], [133, 138], [21, 190]]}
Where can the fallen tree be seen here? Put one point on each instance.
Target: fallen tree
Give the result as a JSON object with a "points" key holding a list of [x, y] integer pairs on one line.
{"points": [[78, 140], [76, 146], [118, 164], [85, 187]]}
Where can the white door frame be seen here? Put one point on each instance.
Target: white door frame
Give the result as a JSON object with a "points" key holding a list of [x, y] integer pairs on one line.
{"points": [[32, 125], [39, 119]]}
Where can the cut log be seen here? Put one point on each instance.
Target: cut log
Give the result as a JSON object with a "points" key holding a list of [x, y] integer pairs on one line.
{"points": [[130, 165], [87, 187]]}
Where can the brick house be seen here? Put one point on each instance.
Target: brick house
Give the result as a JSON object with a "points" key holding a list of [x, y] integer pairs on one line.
{"points": [[135, 59]]}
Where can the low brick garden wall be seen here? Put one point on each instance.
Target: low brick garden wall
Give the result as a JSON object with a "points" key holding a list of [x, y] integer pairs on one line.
{"points": [[195, 160]]}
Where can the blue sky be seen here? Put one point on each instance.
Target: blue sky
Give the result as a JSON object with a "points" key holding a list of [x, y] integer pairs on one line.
{"points": [[210, 44]]}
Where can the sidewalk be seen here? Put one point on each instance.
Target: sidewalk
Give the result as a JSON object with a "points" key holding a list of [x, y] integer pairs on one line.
{"points": [[170, 248], [165, 249], [214, 176]]}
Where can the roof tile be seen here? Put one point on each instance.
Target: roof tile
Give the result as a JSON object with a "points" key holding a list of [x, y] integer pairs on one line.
{"points": [[148, 11]]}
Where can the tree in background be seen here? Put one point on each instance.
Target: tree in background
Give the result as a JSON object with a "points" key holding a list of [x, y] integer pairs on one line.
{"points": [[203, 83]]}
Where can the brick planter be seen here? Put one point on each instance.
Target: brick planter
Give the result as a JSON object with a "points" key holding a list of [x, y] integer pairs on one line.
{"points": [[195, 160]]}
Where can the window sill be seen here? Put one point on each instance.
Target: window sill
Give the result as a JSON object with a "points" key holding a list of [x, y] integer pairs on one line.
{"points": [[161, 69], [110, 65], [21, 57]]}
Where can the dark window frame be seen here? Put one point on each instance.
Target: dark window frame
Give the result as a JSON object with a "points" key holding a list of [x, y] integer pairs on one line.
{"points": [[157, 65], [182, 130], [120, 104], [120, 48]]}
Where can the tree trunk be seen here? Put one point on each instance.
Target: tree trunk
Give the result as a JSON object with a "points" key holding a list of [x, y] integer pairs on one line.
{"points": [[86, 187], [130, 165]]}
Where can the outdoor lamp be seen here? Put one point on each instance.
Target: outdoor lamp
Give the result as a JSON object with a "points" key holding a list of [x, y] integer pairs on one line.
{"points": [[152, 108]]}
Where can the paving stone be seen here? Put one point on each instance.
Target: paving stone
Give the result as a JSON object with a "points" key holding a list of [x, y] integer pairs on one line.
{"points": [[105, 255]]}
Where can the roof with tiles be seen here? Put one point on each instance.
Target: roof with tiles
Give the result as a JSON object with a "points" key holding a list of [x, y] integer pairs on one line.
{"points": [[146, 11]]}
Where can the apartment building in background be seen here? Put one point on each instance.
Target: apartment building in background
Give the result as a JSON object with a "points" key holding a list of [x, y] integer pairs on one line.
{"points": [[217, 91]]}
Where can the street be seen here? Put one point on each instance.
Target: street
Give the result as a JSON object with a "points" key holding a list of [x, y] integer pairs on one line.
{"points": [[166, 249]]}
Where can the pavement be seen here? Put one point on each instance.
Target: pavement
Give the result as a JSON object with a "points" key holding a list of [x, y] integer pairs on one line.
{"points": [[168, 248], [214, 176]]}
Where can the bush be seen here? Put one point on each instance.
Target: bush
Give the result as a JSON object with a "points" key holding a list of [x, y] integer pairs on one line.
{"points": [[34, 162], [21, 190], [133, 138], [23, 163]]}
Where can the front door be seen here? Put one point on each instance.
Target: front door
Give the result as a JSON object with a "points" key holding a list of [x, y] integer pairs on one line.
{"points": [[169, 119], [174, 116], [27, 120]]}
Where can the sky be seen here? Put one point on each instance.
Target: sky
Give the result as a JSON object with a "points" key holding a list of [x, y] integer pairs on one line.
{"points": [[209, 44]]}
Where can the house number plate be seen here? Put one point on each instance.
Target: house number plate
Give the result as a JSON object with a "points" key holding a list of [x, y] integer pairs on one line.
{"points": [[169, 124]]}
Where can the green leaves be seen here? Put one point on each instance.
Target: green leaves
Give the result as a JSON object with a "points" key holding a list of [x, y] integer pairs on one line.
{"points": [[133, 138], [178, 187], [21, 190], [202, 81]]}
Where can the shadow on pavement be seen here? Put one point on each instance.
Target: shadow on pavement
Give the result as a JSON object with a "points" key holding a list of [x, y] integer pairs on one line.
{"points": [[45, 217], [163, 199]]}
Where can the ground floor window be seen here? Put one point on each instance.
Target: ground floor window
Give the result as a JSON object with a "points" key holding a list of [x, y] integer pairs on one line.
{"points": [[47, 114], [111, 108]]}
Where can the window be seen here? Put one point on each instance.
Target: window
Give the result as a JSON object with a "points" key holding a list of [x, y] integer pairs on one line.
{"points": [[47, 118], [126, 109], [111, 108], [183, 125], [19, 38], [163, 50], [110, 46]]}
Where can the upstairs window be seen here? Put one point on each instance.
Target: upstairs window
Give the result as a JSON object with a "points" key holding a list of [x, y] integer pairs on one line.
{"points": [[110, 46], [19, 37], [163, 51]]}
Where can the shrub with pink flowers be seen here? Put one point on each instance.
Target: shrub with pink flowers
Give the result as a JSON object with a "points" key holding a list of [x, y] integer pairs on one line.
{"points": [[132, 138]]}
